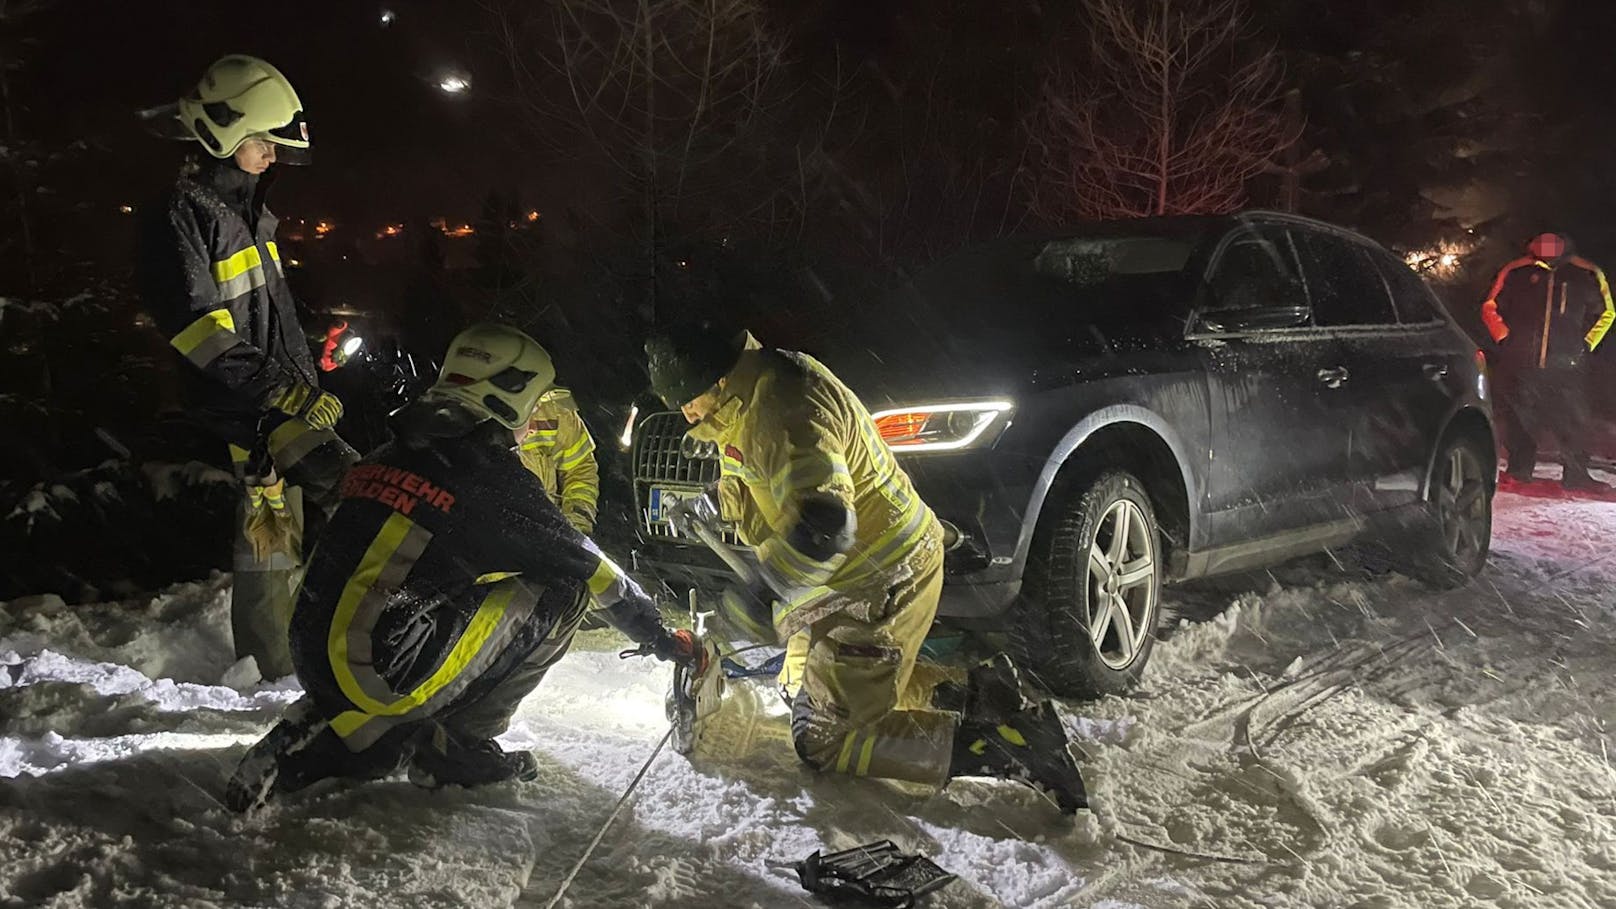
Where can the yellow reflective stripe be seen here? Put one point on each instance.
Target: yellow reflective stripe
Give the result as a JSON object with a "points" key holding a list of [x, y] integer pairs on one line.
{"points": [[1602, 325], [239, 455], [865, 755], [605, 576], [577, 452], [274, 251], [237, 264], [471, 641], [349, 721], [376, 557], [205, 339], [495, 576], [1012, 735], [847, 752]]}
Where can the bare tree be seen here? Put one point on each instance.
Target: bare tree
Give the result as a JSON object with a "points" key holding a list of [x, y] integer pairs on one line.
{"points": [[1173, 112], [675, 95]]}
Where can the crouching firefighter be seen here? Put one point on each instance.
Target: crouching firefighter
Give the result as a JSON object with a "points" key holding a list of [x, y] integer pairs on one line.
{"points": [[211, 277], [446, 585], [850, 570]]}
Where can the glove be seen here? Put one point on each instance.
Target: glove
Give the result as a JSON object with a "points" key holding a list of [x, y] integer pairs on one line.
{"points": [[701, 509], [749, 611], [319, 409], [681, 647]]}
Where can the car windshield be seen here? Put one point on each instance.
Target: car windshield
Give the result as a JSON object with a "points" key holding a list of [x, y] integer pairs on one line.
{"points": [[1064, 295]]}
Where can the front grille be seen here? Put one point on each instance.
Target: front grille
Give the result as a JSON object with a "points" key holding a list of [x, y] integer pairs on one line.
{"points": [[659, 461]]}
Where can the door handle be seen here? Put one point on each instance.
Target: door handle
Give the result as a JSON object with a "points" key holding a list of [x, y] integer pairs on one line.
{"points": [[1436, 372], [1334, 378]]}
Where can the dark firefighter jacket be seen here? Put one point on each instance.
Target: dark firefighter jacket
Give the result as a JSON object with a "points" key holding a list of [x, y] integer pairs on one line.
{"points": [[211, 276], [444, 566], [1546, 314]]}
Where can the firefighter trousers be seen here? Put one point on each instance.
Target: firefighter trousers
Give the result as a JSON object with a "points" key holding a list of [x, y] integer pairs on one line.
{"points": [[1550, 403], [849, 714], [264, 585]]}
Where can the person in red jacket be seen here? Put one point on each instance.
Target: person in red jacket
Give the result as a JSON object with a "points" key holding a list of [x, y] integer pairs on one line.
{"points": [[1546, 312]]}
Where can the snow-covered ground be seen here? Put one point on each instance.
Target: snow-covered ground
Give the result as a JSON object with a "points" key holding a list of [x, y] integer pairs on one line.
{"points": [[1313, 740]]}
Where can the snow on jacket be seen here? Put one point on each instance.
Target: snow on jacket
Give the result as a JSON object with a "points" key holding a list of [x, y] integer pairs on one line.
{"points": [[789, 432], [441, 570], [1545, 313], [558, 449], [212, 280]]}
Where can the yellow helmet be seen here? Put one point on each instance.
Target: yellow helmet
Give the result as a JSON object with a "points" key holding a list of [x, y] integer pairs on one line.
{"points": [[496, 371], [241, 97]]}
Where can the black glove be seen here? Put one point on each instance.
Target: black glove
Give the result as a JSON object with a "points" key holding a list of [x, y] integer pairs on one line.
{"points": [[308, 403], [749, 611]]}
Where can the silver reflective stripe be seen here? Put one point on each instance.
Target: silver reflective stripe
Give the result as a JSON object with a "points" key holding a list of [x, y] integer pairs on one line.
{"points": [[361, 659], [293, 440], [212, 348], [241, 284]]}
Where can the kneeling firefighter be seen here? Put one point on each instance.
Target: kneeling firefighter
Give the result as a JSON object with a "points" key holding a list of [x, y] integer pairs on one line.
{"points": [[446, 586], [850, 571]]}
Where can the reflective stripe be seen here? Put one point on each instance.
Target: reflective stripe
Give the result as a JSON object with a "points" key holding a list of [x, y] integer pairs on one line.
{"points": [[579, 451], [605, 577], [291, 441], [1603, 323], [809, 471], [206, 339], [239, 455], [865, 755], [493, 577], [502, 613], [891, 548], [382, 569], [847, 752]]}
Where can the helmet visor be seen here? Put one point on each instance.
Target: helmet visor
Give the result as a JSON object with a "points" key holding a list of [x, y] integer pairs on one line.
{"points": [[291, 141]]}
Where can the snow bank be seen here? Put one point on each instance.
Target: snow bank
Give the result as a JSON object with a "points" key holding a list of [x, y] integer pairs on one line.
{"points": [[1322, 741]]}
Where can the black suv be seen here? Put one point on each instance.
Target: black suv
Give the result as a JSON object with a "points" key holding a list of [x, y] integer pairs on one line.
{"points": [[1099, 413]]}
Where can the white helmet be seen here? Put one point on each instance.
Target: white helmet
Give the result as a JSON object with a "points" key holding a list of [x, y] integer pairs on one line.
{"points": [[241, 97], [496, 371]]}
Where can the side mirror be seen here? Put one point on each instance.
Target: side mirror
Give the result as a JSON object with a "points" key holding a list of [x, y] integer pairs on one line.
{"points": [[1256, 318]]}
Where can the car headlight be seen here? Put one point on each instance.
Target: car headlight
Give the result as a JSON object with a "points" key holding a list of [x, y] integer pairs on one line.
{"points": [[941, 427]]}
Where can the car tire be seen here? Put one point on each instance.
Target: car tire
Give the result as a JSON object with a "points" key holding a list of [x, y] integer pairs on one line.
{"points": [[1074, 582], [1455, 533]]}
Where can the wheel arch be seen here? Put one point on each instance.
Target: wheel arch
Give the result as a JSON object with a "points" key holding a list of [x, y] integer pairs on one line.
{"points": [[1130, 438], [1468, 421]]}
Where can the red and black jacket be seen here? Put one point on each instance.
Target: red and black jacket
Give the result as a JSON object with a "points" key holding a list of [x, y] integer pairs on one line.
{"points": [[1548, 313]]}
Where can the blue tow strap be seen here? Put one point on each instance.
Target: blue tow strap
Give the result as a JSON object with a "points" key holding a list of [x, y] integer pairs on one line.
{"points": [[771, 666]]}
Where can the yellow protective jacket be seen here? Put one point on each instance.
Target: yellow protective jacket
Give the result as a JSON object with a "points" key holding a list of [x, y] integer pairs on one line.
{"points": [[788, 430], [1548, 313], [558, 449]]}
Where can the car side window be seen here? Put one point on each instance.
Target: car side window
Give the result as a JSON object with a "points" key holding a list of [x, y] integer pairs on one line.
{"points": [[1257, 270], [1416, 304], [1345, 286]]}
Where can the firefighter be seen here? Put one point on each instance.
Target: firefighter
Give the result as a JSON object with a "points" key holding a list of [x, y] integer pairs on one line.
{"points": [[447, 584], [1546, 312], [211, 277], [556, 447], [850, 571]]}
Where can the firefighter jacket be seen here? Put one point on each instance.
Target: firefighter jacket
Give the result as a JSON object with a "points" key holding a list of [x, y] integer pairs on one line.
{"points": [[442, 569], [558, 449], [791, 435], [1546, 314], [212, 280]]}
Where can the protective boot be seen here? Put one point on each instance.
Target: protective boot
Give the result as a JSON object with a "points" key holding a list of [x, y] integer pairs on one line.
{"points": [[448, 760], [1028, 746], [300, 751], [992, 688]]}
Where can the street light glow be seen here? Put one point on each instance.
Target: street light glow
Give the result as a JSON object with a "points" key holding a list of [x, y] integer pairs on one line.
{"points": [[454, 84]]}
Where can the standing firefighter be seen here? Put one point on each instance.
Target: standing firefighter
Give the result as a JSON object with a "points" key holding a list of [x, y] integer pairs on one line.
{"points": [[556, 447], [446, 586], [211, 277], [1547, 311], [851, 569]]}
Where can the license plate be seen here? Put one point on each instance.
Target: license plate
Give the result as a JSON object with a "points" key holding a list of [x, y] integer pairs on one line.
{"points": [[663, 498]]}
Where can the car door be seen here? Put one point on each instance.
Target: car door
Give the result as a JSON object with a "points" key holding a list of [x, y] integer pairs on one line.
{"points": [[1278, 459], [1430, 368], [1353, 305]]}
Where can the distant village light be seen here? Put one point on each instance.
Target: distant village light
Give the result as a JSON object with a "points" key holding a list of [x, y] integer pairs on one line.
{"points": [[387, 17], [390, 230], [127, 209], [322, 227], [454, 84], [532, 216]]}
